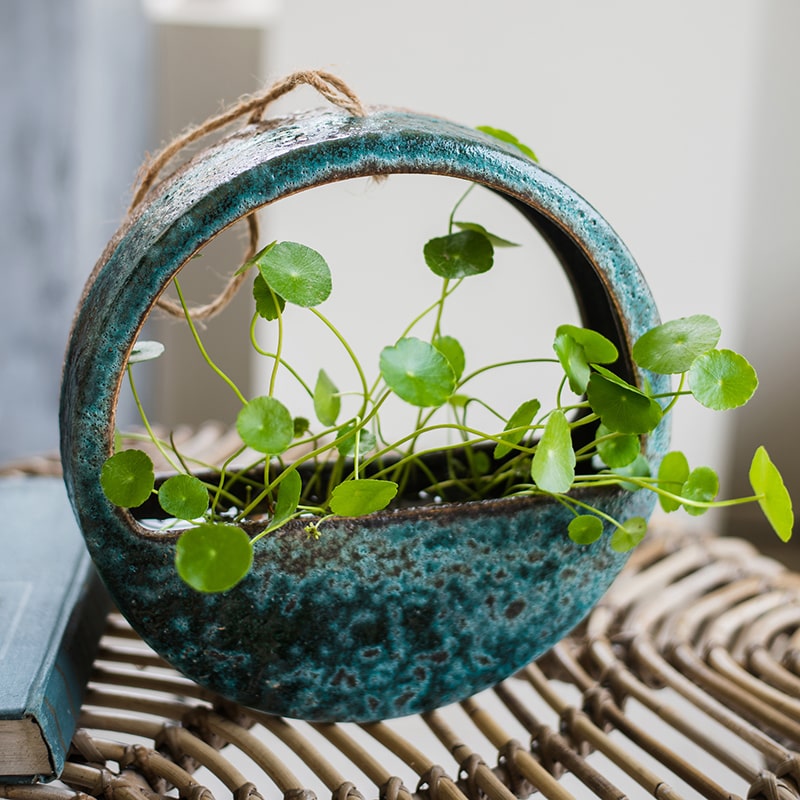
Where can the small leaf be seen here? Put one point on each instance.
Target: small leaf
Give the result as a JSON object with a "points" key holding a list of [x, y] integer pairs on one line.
{"points": [[553, 464], [269, 304], [327, 402], [289, 490], [145, 351], [672, 474], [598, 348], [629, 535], [722, 379], [505, 136], [266, 425], [297, 273], [585, 529], [213, 557], [521, 418], [497, 241], [127, 478], [619, 450], [459, 255], [347, 446], [451, 349], [417, 372], [577, 348], [672, 347], [773, 496], [301, 426], [459, 400], [365, 496], [255, 259], [573, 361], [183, 497], [621, 407], [702, 485]]}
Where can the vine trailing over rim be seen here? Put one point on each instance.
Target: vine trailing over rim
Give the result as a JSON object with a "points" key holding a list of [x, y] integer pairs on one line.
{"points": [[341, 464]]}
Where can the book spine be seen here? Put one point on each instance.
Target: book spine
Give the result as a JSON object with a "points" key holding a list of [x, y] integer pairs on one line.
{"points": [[58, 706]]}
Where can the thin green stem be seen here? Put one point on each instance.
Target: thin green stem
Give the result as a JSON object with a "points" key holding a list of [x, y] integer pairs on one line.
{"points": [[356, 363], [202, 349], [285, 364], [140, 408]]}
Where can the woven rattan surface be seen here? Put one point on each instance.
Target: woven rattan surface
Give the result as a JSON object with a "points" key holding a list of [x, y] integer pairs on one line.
{"points": [[684, 682]]}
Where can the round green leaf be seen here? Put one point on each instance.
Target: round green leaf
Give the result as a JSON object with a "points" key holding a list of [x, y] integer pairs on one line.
{"points": [[497, 241], [553, 464], [622, 408], [297, 273], [452, 350], [183, 497], [671, 348], [301, 426], [327, 402], [672, 474], [722, 379], [145, 351], [213, 557], [773, 496], [702, 485], [417, 372], [520, 419], [358, 497], [459, 255], [629, 535], [266, 425], [585, 529], [127, 478], [269, 304], [619, 450], [289, 490]]}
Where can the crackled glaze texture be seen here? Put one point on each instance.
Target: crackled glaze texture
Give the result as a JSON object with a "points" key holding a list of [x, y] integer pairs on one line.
{"points": [[384, 616]]}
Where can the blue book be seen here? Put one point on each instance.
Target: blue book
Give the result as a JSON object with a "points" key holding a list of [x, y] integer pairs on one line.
{"points": [[52, 614]]}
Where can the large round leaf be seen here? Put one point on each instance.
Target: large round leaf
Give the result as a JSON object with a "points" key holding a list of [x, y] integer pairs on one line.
{"points": [[127, 478], [672, 347], [297, 273], [417, 372], [266, 425], [722, 379], [213, 557], [459, 255]]}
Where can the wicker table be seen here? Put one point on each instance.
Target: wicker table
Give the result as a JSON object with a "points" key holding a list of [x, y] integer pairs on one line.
{"points": [[684, 682]]}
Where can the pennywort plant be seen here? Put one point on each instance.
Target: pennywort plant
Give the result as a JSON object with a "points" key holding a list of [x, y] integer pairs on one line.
{"points": [[339, 463]]}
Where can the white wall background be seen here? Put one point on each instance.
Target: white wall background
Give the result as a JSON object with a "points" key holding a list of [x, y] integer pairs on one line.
{"points": [[677, 121]]}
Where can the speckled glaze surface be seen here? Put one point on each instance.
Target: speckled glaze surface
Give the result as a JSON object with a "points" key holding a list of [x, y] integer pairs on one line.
{"points": [[387, 615]]}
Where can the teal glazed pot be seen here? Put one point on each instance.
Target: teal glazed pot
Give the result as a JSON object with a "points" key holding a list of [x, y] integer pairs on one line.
{"points": [[386, 615]]}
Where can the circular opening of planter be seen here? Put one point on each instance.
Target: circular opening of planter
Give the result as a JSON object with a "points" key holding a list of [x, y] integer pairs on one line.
{"points": [[375, 615]]}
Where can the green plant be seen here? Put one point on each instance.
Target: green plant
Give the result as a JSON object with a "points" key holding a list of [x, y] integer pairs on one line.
{"points": [[342, 464]]}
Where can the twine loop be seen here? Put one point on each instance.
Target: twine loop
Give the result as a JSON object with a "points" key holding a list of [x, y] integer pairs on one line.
{"points": [[248, 110]]}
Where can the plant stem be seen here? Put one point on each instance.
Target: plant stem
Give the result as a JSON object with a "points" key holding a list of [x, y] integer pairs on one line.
{"points": [[140, 408], [202, 349]]}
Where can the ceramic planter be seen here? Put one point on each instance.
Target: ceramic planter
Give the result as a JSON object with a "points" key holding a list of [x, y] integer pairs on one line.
{"points": [[385, 615]]}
